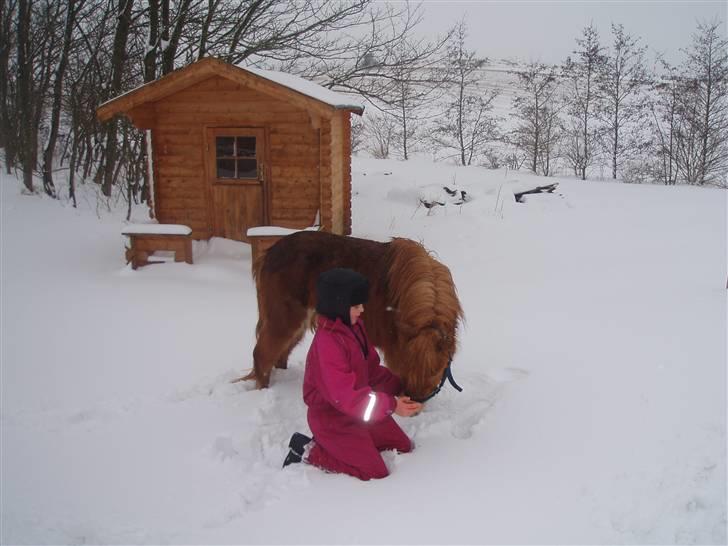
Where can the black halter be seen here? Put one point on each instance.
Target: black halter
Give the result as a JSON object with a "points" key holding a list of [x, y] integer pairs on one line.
{"points": [[447, 374]]}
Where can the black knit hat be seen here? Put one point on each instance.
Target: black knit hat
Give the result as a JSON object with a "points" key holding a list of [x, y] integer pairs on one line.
{"points": [[339, 289]]}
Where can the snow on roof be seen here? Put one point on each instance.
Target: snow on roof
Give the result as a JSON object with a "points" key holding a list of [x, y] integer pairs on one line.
{"points": [[308, 88]]}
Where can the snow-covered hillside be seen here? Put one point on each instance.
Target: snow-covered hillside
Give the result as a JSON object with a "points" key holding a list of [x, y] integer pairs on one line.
{"points": [[593, 361]]}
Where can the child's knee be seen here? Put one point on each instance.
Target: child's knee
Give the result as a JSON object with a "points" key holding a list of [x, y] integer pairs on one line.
{"points": [[373, 472]]}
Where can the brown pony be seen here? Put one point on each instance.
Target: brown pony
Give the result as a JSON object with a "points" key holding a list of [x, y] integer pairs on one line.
{"points": [[412, 314]]}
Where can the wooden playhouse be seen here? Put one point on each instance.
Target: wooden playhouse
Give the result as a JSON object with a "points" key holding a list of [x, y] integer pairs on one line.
{"points": [[233, 148]]}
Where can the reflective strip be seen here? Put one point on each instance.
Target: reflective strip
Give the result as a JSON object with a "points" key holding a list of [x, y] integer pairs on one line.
{"points": [[370, 406]]}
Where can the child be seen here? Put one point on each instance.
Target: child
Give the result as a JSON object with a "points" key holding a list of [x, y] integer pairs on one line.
{"points": [[350, 397]]}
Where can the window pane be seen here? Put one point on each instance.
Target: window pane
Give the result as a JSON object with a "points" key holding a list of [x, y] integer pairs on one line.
{"points": [[226, 168], [246, 146], [225, 146], [247, 168]]}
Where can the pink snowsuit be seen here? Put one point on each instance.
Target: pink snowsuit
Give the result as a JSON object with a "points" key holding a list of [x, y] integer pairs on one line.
{"points": [[350, 401]]}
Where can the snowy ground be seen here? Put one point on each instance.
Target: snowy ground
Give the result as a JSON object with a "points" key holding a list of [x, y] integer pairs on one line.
{"points": [[593, 360]]}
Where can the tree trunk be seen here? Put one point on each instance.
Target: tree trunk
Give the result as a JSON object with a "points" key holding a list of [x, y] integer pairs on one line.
{"points": [[205, 31], [28, 136], [706, 117], [72, 172], [117, 69], [461, 108], [536, 136], [7, 127], [615, 142], [48, 154], [582, 168], [150, 58], [171, 41], [404, 128]]}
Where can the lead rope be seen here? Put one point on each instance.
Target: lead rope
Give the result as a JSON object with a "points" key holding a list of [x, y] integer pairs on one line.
{"points": [[451, 379], [447, 374]]}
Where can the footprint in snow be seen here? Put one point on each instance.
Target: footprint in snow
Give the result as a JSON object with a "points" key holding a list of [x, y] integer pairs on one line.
{"points": [[460, 413], [506, 375]]}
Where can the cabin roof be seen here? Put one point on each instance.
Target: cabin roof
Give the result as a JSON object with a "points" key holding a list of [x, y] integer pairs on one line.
{"points": [[308, 88], [295, 89]]}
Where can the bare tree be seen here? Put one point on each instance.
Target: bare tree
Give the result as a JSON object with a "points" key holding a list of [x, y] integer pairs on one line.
{"points": [[36, 38], [468, 124], [663, 107], [583, 97], [27, 132], [72, 7], [358, 133], [108, 167], [553, 133], [381, 132], [290, 32], [7, 121], [703, 107], [379, 57], [411, 100], [537, 112], [623, 109]]}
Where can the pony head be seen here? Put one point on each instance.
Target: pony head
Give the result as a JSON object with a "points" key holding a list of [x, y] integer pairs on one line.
{"points": [[426, 311]]}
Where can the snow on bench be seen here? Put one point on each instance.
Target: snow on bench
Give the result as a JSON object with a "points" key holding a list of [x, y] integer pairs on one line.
{"points": [[156, 229], [264, 237], [276, 231]]}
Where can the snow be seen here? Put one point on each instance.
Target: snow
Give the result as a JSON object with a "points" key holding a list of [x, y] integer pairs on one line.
{"points": [[156, 229], [592, 358], [276, 231], [150, 164], [308, 88]]}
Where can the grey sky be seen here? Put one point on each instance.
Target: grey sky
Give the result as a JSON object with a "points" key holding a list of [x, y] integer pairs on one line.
{"points": [[546, 30]]}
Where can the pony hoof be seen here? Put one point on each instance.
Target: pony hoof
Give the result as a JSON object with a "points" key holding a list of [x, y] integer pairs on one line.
{"points": [[247, 377]]}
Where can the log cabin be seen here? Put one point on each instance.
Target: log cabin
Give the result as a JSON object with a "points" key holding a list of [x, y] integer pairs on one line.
{"points": [[232, 148]]}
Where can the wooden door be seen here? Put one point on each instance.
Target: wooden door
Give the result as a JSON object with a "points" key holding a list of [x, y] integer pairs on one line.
{"points": [[236, 176]]}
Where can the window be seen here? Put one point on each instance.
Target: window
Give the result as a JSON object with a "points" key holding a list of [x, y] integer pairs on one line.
{"points": [[235, 155]]}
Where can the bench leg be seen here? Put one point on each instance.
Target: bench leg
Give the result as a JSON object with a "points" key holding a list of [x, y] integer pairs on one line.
{"points": [[188, 250], [135, 257], [139, 259]]}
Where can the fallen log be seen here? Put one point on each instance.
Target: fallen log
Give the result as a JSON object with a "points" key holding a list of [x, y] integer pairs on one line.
{"points": [[549, 188]]}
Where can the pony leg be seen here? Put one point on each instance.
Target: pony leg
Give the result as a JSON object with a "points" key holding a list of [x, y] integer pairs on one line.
{"points": [[282, 362], [276, 340], [263, 358]]}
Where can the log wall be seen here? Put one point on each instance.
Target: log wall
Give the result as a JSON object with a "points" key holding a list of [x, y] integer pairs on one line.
{"points": [[346, 170], [183, 195], [325, 175], [337, 175]]}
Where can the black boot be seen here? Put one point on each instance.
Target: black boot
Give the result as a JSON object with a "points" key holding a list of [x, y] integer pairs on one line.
{"points": [[297, 443]]}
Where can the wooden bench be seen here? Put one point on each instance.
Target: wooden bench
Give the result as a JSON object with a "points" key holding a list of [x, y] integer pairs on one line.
{"points": [[145, 239], [264, 237]]}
